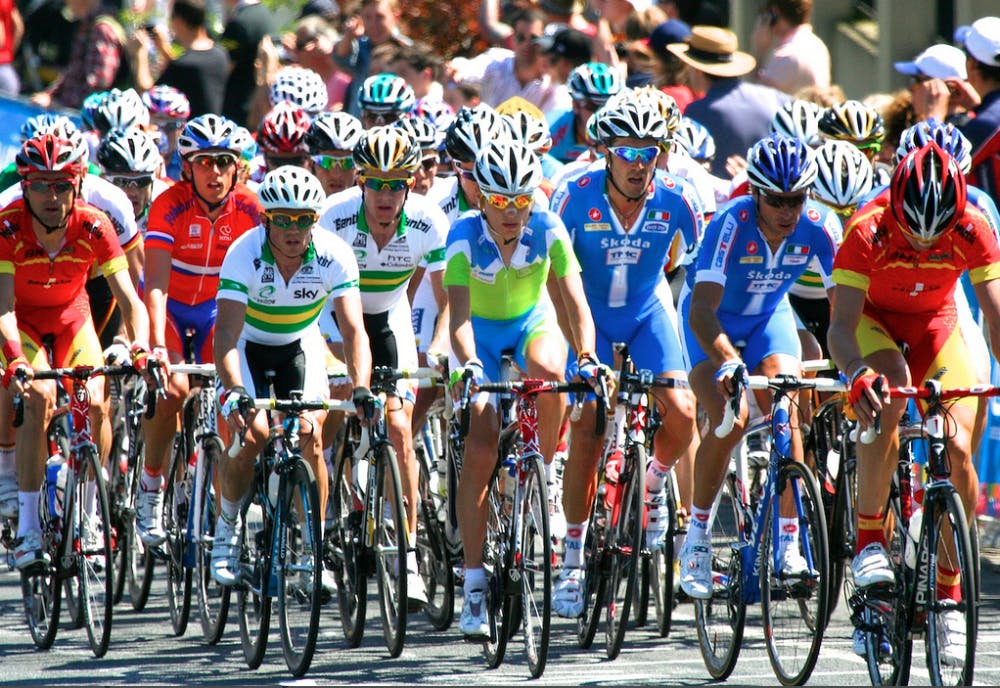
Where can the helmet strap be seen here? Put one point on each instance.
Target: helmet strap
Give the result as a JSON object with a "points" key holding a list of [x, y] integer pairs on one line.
{"points": [[631, 199]]}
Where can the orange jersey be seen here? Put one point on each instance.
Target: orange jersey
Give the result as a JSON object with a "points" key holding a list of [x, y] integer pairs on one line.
{"points": [[179, 226], [44, 281], [877, 258]]}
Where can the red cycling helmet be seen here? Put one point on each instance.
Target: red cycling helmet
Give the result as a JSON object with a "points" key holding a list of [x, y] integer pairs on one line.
{"points": [[284, 130], [50, 154], [927, 193]]}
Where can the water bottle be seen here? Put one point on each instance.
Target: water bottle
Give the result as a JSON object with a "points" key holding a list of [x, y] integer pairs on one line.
{"points": [[53, 467], [912, 536], [272, 488]]}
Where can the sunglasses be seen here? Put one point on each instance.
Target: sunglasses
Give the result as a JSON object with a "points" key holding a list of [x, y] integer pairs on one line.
{"points": [[629, 154], [795, 201], [465, 174], [302, 221], [380, 117], [429, 163], [59, 187], [130, 182], [169, 125], [522, 37], [379, 184], [589, 105], [329, 162], [209, 160], [294, 160], [502, 201]]}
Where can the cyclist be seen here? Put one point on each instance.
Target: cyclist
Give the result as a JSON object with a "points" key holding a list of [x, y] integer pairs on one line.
{"points": [[591, 85], [499, 261], [753, 250], [274, 281], [385, 98], [860, 125], [299, 86], [472, 129], [282, 136], [798, 119], [169, 109], [331, 140], [191, 226], [628, 224], [48, 242], [914, 245], [534, 132], [429, 139], [132, 162], [396, 236]]}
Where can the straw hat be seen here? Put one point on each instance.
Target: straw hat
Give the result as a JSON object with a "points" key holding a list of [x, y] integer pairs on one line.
{"points": [[713, 50]]}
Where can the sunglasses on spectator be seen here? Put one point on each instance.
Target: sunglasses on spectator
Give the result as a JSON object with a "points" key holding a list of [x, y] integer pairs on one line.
{"points": [[209, 160], [302, 221], [123, 182], [783, 201], [60, 187], [629, 154], [379, 184], [329, 162], [502, 201]]}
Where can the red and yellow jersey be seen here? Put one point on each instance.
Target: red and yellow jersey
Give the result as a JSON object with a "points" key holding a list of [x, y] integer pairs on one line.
{"points": [[179, 226], [54, 281], [877, 258]]}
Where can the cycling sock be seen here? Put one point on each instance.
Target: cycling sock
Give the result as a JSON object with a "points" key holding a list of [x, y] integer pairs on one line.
{"points": [[27, 503], [698, 526], [870, 530], [230, 511], [949, 584], [7, 464], [90, 498], [548, 472], [789, 534], [151, 482], [656, 475], [475, 579], [411, 561], [576, 534]]}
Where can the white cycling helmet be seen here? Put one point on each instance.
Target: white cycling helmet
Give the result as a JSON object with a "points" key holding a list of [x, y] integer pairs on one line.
{"points": [[529, 130], [300, 86], [472, 129], [129, 151], [629, 116], [798, 119], [844, 176], [509, 168], [695, 139], [121, 110], [386, 93], [946, 135], [207, 132], [388, 149], [291, 187], [334, 131]]}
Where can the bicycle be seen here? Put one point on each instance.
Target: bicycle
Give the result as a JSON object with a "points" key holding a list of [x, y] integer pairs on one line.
{"points": [[746, 546], [281, 539], [369, 534], [517, 552], [891, 616], [79, 543], [615, 549], [189, 513]]}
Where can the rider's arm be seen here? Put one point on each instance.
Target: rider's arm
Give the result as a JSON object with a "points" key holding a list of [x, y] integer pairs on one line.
{"points": [[704, 321], [228, 326], [133, 312], [988, 295], [463, 344], [8, 322], [136, 256], [157, 278], [577, 312], [439, 340], [848, 303], [357, 350]]}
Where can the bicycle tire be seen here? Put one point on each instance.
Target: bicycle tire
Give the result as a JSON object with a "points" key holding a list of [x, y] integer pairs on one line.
{"points": [[344, 548], [213, 599], [595, 580], [842, 520], [175, 516], [301, 566], [140, 562], [626, 543], [535, 566], [253, 600], [391, 544], [432, 552], [118, 486], [497, 562], [94, 561], [661, 561], [944, 512], [720, 621], [794, 611], [40, 587]]}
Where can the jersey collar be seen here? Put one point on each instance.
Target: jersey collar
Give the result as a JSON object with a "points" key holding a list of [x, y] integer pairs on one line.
{"points": [[363, 222], [268, 257]]}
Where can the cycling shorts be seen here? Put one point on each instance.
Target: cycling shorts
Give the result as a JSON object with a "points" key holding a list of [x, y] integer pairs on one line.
{"points": [[493, 337], [199, 320], [424, 314], [74, 340], [651, 336], [756, 336], [104, 311], [300, 365]]}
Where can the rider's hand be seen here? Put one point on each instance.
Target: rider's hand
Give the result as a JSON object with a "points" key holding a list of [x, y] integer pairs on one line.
{"points": [[10, 374], [724, 376], [232, 403], [588, 367], [865, 396], [437, 359], [363, 400], [117, 354]]}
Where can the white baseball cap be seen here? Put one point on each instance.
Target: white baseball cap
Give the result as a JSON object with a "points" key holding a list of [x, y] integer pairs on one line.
{"points": [[937, 62], [983, 41]]}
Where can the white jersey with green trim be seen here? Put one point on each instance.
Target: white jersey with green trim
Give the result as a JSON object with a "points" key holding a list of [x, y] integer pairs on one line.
{"points": [[385, 273], [280, 312]]}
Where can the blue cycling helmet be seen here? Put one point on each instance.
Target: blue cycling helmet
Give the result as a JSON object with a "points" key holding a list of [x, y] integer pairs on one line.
{"points": [[44, 123], [89, 108], [208, 132], [695, 139], [951, 140], [594, 81], [386, 93], [779, 164]]}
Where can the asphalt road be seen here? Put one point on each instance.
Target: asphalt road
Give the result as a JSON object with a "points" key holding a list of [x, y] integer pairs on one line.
{"points": [[144, 651]]}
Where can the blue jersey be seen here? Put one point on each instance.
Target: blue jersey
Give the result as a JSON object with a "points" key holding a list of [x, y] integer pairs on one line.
{"points": [[624, 268], [735, 254], [565, 147]]}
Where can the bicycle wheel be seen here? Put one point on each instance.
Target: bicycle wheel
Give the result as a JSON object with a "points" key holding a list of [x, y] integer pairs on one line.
{"points": [[391, 543], [497, 560], [257, 581], [794, 607], [175, 519], [594, 556], [536, 564], [139, 561], [625, 545], [432, 552], [119, 485], [841, 523], [299, 574], [720, 621], [661, 565], [94, 562], [40, 587], [213, 599], [947, 534], [344, 549]]}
